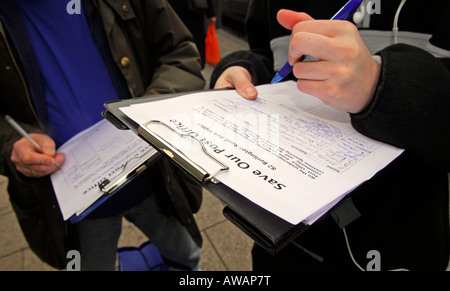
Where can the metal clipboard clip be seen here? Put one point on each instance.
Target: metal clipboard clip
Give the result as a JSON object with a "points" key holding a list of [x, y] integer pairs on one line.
{"points": [[178, 156], [133, 172], [137, 169]]}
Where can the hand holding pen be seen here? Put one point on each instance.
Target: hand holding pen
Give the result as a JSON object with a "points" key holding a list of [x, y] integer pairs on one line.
{"points": [[345, 13], [345, 75], [34, 155]]}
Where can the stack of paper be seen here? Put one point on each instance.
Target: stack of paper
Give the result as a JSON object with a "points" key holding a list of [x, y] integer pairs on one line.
{"points": [[287, 151]]}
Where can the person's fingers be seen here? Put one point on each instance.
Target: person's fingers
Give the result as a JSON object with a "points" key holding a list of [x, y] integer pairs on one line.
{"points": [[316, 45], [32, 163], [37, 170], [329, 28], [322, 70], [245, 88], [288, 18], [46, 143], [240, 79], [311, 70]]}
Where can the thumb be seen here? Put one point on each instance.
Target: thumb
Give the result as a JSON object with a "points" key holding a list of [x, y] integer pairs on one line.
{"points": [[239, 78], [246, 89], [289, 18], [60, 158]]}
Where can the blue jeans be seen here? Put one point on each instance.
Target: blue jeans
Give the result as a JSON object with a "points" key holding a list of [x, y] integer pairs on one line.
{"points": [[99, 237]]}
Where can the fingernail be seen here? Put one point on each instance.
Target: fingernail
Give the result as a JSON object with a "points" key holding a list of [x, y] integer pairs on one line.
{"points": [[249, 92]]}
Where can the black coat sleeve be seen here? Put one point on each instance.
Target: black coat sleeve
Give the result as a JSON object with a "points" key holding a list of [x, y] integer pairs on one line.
{"points": [[411, 106], [258, 60], [254, 63]]}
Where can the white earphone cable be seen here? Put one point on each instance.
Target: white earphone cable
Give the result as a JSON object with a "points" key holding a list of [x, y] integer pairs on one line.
{"points": [[353, 258], [395, 26]]}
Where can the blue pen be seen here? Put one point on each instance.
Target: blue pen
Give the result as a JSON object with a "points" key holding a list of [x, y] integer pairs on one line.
{"points": [[345, 13]]}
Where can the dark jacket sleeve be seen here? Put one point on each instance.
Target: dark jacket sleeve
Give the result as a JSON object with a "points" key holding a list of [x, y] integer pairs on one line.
{"points": [[411, 106], [254, 63], [175, 54], [259, 59]]}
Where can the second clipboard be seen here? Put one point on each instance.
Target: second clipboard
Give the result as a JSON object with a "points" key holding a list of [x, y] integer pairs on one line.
{"points": [[110, 186]]}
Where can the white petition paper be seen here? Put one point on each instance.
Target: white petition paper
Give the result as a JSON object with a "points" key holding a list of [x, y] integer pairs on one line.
{"points": [[92, 156], [287, 151]]}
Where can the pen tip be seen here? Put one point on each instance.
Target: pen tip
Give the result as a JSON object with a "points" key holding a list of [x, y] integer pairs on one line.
{"points": [[276, 79]]}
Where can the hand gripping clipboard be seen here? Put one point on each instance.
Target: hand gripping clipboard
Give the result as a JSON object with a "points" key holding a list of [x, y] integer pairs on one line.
{"points": [[268, 230]]}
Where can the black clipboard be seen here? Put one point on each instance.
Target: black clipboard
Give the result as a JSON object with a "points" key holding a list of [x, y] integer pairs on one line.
{"points": [[268, 230]]}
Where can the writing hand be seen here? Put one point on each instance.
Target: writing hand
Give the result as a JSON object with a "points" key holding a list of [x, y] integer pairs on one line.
{"points": [[346, 75], [32, 163], [238, 78]]}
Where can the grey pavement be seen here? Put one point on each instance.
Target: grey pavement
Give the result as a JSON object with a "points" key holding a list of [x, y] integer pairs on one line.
{"points": [[225, 247]]}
